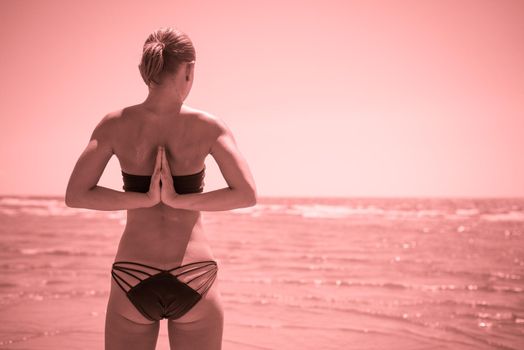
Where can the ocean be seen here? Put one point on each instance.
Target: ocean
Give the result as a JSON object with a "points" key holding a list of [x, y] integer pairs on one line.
{"points": [[294, 273]]}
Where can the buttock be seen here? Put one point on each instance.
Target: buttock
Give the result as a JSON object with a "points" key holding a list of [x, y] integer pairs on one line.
{"points": [[209, 307], [146, 294]]}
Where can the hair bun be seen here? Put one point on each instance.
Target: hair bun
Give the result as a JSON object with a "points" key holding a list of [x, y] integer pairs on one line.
{"points": [[163, 52], [162, 45]]}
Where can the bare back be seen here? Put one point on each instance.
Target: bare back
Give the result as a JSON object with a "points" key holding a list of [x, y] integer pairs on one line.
{"points": [[160, 235]]}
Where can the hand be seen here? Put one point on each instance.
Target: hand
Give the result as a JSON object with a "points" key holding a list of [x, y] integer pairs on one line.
{"points": [[154, 194], [167, 191]]}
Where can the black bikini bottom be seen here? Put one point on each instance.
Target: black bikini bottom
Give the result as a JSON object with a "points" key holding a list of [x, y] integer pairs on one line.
{"points": [[169, 293]]}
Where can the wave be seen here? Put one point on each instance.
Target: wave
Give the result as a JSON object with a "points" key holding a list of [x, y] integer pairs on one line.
{"points": [[58, 252], [333, 211], [381, 285], [509, 216], [343, 211], [12, 206], [467, 212], [62, 211], [29, 202]]}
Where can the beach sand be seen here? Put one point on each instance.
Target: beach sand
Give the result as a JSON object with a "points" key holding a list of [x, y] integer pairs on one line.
{"points": [[79, 325]]}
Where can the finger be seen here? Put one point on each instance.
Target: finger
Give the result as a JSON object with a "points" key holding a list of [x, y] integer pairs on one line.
{"points": [[158, 162], [156, 174], [164, 158], [164, 161], [165, 164]]}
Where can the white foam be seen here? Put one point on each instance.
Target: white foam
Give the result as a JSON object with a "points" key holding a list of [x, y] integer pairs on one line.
{"points": [[509, 216], [13, 206], [258, 209], [26, 202], [322, 211], [7, 211], [334, 211], [466, 212]]}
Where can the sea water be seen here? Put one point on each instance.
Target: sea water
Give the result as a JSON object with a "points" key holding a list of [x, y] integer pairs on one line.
{"points": [[294, 273]]}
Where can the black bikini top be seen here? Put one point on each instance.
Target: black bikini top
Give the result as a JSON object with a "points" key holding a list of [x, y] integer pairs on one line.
{"points": [[183, 183]]}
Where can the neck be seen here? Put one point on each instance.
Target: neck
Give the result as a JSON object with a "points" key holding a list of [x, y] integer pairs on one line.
{"points": [[162, 102]]}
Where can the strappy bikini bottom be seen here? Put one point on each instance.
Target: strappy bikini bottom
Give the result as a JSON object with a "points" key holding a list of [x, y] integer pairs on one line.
{"points": [[168, 293]]}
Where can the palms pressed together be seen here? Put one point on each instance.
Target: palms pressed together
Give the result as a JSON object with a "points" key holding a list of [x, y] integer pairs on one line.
{"points": [[162, 172]]}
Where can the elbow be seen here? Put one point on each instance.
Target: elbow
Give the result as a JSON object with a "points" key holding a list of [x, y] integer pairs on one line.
{"points": [[69, 200], [76, 198], [244, 198], [250, 199]]}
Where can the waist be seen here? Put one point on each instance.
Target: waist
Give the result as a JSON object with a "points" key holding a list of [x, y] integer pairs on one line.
{"points": [[164, 242], [163, 224]]}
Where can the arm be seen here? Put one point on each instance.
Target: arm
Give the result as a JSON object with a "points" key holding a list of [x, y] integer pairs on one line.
{"points": [[241, 190], [82, 189]]}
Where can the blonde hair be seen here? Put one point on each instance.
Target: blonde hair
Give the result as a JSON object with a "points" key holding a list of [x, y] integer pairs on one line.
{"points": [[164, 50]]}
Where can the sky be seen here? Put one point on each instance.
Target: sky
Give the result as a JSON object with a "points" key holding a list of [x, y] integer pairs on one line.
{"points": [[325, 98]]}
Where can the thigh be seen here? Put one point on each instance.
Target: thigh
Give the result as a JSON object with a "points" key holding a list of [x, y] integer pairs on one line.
{"points": [[125, 327], [202, 327]]}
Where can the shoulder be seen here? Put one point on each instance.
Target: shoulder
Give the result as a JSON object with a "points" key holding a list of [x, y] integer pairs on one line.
{"points": [[210, 120], [110, 119], [106, 127]]}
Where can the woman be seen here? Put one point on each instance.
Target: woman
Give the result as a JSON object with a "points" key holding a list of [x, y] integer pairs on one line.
{"points": [[164, 267]]}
